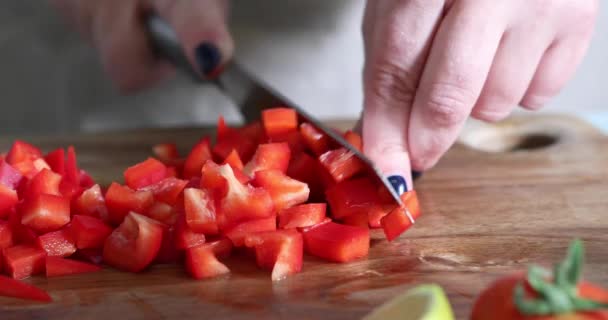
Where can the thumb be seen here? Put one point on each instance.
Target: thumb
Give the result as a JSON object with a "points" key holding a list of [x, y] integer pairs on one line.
{"points": [[202, 30]]}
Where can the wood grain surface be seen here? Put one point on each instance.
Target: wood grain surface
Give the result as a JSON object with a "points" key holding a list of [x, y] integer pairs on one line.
{"points": [[506, 196]]}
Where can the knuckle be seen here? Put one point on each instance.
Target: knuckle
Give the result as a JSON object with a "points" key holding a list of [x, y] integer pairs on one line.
{"points": [[490, 114], [447, 104], [534, 102], [392, 84]]}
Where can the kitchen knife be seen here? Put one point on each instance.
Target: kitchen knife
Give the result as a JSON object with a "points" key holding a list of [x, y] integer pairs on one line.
{"points": [[249, 93]]}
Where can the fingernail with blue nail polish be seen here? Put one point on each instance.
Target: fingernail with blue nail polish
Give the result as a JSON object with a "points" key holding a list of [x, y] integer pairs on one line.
{"points": [[416, 174], [208, 57], [398, 183]]}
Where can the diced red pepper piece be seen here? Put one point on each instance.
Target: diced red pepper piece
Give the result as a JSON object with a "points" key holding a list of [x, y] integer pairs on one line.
{"points": [[145, 173], [162, 212], [57, 267], [22, 290], [72, 173], [9, 176], [337, 242], [86, 181], [44, 182], [8, 200], [243, 202], [358, 219], [304, 215], [168, 252], [202, 262], [91, 255], [354, 139], [237, 233], [172, 172], [91, 203], [307, 169], [341, 164], [6, 235], [314, 139], [375, 214], [294, 140], [212, 180], [244, 141], [134, 244], [306, 229], [200, 211], [281, 251], [197, 157], [279, 121], [21, 233], [25, 168], [400, 219], [56, 160], [120, 200], [22, 261], [269, 156], [22, 151], [45, 212], [184, 236], [351, 196], [284, 191], [165, 152], [58, 243], [234, 160], [89, 232], [168, 190]]}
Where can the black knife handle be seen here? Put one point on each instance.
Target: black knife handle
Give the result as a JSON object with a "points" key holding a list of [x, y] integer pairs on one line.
{"points": [[166, 45]]}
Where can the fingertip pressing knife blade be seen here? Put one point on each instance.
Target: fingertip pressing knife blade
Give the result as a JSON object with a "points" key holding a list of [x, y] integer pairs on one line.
{"points": [[249, 93]]}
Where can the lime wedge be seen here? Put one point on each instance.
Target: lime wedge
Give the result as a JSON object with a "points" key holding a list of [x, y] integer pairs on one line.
{"points": [[424, 302]]}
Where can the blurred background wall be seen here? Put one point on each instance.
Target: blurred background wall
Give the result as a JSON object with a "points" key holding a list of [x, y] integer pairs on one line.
{"points": [[51, 82]]}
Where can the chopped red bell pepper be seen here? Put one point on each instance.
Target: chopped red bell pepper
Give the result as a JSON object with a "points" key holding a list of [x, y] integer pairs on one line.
{"points": [[21, 233], [57, 267], [375, 214], [279, 121], [9, 176], [120, 200], [341, 164], [294, 140], [197, 157], [91, 255], [202, 262], [134, 244], [200, 211], [162, 212], [314, 139], [145, 173], [19, 289], [269, 156], [352, 196], [284, 191], [72, 173], [238, 233], [58, 243], [168, 190], [86, 181], [22, 261], [91, 203], [8, 200], [6, 235], [305, 168], [168, 252], [184, 236], [358, 219], [56, 160], [234, 160], [400, 219], [89, 232], [22, 151], [45, 181], [304, 215], [166, 152], [281, 251], [213, 181], [45, 212], [354, 139], [337, 242]]}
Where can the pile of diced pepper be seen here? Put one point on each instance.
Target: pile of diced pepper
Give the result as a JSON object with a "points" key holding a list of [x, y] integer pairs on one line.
{"points": [[277, 188]]}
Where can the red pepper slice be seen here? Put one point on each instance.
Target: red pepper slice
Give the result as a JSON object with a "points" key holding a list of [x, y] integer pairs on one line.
{"points": [[89, 232], [304, 215], [358, 219], [269, 156], [314, 139], [8, 200], [341, 164], [22, 261], [19, 289], [234, 160], [162, 212], [352, 196], [337, 242], [9, 176], [91, 203], [166, 152], [185, 237], [45, 212], [305, 168], [57, 267], [58, 243], [168, 252], [197, 157], [168, 190], [45, 181], [200, 211], [281, 251], [145, 173], [354, 139], [279, 121], [284, 191], [398, 220], [21, 233], [22, 151], [134, 244], [120, 200], [202, 262], [238, 233]]}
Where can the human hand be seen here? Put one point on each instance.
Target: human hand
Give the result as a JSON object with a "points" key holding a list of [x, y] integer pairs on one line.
{"points": [[430, 64], [116, 29]]}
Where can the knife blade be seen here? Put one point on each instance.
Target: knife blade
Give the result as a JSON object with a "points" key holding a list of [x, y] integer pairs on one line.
{"points": [[249, 93]]}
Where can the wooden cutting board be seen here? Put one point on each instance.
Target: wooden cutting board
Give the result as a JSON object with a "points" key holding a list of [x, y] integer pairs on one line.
{"points": [[504, 197]]}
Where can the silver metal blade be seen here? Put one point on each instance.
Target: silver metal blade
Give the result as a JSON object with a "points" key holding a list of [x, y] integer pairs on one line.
{"points": [[252, 95]]}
